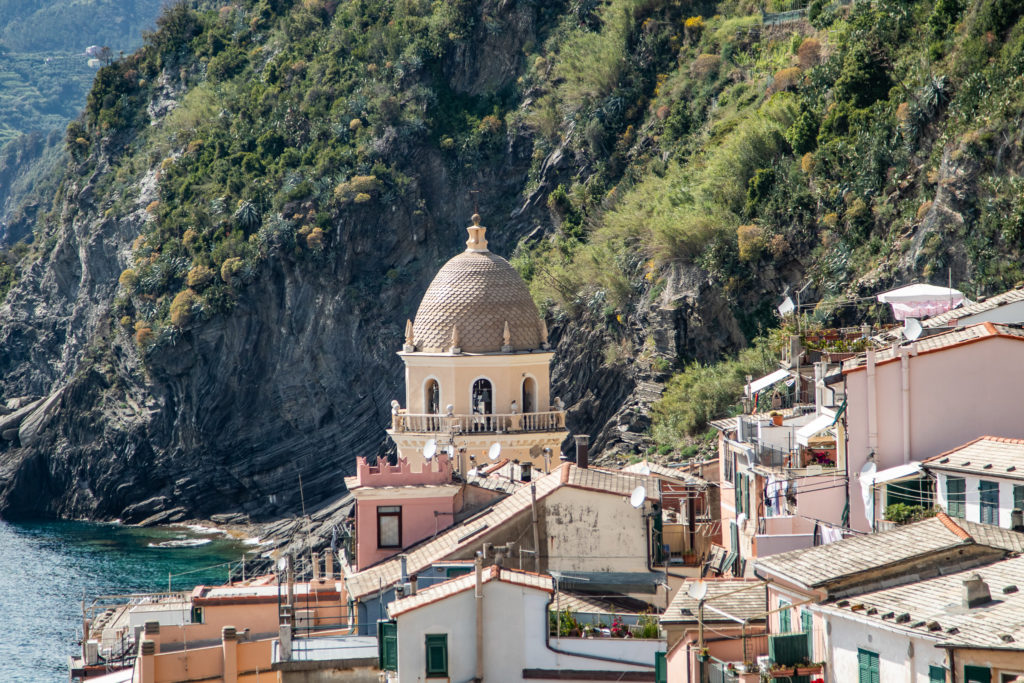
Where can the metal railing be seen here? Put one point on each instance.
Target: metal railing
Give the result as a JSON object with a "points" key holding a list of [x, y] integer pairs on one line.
{"points": [[547, 421]]}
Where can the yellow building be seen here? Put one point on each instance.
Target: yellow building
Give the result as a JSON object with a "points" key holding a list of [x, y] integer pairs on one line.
{"points": [[477, 368]]}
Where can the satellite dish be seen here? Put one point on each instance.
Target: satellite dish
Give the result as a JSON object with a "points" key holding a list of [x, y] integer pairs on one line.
{"points": [[636, 499], [473, 472], [786, 307], [429, 449], [645, 469], [494, 451], [912, 329], [698, 590]]}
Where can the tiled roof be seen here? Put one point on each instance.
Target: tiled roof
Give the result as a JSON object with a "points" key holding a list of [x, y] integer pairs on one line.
{"points": [[988, 456], [934, 608], [742, 598], [439, 591], [662, 471], [479, 292], [950, 317], [723, 424], [940, 342], [823, 564], [470, 531]]}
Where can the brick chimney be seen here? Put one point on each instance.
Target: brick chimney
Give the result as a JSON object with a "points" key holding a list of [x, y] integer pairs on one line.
{"points": [[582, 450]]}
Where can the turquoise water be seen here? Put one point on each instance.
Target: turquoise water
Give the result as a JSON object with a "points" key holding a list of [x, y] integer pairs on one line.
{"points": [[46, 568]]}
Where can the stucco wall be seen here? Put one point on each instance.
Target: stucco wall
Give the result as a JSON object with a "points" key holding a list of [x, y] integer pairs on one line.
{"points": [[1000, 662], [418, 522], [956, 395], [973, 497], [455, 376], [586, 531], [901, 659]]}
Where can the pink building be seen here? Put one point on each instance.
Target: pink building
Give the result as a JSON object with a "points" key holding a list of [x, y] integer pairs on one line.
{"points": [[909, 402], [399, 505]]}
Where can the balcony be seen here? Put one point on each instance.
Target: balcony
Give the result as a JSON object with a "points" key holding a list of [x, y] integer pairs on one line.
{"points": [[493, 423]]}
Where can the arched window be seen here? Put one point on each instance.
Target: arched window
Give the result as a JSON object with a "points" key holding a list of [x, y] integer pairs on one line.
{"points": [[432, 397], [482, 394], [529, 395]]}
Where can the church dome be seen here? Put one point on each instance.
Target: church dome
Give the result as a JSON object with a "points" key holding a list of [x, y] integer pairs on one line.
{"points": [[477, 293]]}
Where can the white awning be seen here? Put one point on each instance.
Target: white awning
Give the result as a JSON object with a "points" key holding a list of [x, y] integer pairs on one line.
{"points": [[766, 381], [919, 301], [911, 470], [818, 424]]}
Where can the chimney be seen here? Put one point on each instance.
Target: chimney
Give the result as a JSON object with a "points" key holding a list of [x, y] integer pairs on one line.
{"points": [[976, 591], [582, 450], [403, 563], [413, 584], [525, 473]]}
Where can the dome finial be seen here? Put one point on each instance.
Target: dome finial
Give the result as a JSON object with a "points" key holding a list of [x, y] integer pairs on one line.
{"points": [[477, 235]]}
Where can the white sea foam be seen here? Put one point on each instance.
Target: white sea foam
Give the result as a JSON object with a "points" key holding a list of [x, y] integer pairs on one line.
{"points": [[182, 543]]}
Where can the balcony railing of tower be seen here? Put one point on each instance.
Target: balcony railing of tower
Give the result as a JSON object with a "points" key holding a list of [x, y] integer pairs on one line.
{"points": [[547, 421]]}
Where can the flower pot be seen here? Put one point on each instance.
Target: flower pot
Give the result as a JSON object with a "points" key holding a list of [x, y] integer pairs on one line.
{"points": [[777, 420], [808, 670]]}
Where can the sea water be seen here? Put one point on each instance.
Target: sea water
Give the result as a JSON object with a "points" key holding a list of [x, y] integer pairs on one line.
{"points": [[47, 569]]}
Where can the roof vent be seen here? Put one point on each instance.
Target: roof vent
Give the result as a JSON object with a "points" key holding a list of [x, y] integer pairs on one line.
{"points": [[976, 591], [1009, 589], [903, 618], [1007, 638]]}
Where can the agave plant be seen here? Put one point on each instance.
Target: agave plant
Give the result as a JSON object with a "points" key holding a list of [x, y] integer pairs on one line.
{"points": [[247, 215]]}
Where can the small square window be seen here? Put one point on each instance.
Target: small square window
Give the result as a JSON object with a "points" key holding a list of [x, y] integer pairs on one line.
{"points": [[437, 655], [389, 526]]}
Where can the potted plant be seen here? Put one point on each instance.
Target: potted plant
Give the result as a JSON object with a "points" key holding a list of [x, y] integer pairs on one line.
{"points": [[776, 418], [704, 655]]}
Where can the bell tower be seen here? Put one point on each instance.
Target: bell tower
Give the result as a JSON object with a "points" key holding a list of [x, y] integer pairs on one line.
{"points": [[477, 368]]}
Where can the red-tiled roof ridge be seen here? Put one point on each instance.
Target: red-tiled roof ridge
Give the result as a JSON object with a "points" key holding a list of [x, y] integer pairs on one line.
{"points": [[985, 437], [990, 327], [496, 466], [948, 522], [566, 469], [459, 584]]}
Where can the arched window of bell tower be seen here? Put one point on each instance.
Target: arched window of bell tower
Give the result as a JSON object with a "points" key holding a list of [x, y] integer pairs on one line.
{"points": [[483, 397], [529, 395], [431, 397]]}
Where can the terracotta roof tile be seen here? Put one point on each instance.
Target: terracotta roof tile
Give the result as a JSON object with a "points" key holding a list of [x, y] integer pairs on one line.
{"points": [[742, 598], [940, 342], [440, 591]]}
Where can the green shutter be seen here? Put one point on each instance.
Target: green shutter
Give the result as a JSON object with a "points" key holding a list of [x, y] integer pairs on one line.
{"points": [[660, 668], [936, 674], [387, 645], [807, 626], [1018, 496], [867, 666], [977, 674], [956, 497], [437, 654], [788, 650], [785, 624]]}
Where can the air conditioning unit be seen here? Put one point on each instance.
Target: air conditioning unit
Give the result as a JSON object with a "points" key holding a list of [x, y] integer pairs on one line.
{"points": [[91, 652], [305, 618]]}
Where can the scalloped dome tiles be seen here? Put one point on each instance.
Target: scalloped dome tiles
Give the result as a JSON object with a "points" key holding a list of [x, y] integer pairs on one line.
{"points": [[477, 291]]}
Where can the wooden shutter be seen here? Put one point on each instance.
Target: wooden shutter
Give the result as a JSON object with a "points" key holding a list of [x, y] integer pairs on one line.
{"points": [[660, 668], [936, 674], [867, 666], [437, 654], [807, 626], [977, 674], [387, 645], [788, 650], [785, 622]]}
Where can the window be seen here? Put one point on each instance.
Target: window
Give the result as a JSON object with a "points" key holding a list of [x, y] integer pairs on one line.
{"points": [[387, 645], [437, 654], [197, 614], [432, 397], [936, 674], [867, 666], [389, 526], [482, 397], [988, 492], [730, 467], [1018, 496], [1005, 676], [977, 674], [956, 497], [785, 624], [529, 395]]}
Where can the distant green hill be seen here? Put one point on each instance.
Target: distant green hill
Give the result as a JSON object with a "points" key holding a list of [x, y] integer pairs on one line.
{"points": [[44, 71]]}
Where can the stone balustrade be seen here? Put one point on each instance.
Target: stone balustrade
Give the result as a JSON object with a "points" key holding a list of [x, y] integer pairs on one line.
{"points": [[547, 421]]}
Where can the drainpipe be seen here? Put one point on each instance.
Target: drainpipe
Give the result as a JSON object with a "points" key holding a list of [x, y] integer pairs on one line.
{"points": [[479, 618], [872, 403], [905, 381], [536, 531]]}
